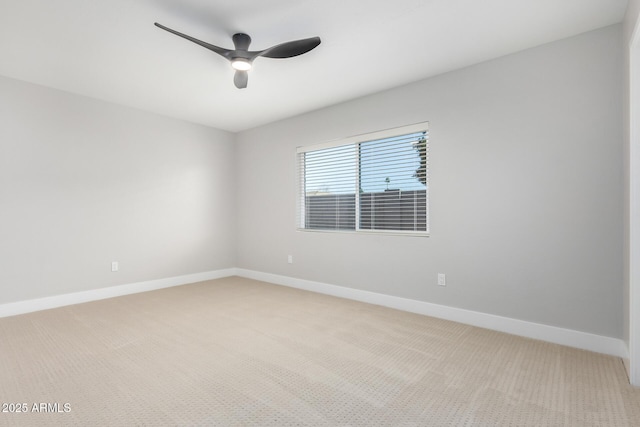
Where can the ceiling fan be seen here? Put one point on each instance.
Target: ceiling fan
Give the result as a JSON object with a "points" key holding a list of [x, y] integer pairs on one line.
{"points": [[241, 57]]}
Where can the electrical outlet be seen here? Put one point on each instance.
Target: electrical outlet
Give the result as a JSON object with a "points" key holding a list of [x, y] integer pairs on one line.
{"points": [[114, 266], [442, 280], [290, 259]]}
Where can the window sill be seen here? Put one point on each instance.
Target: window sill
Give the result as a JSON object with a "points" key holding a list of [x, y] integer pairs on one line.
{"points": [[369, 232]]}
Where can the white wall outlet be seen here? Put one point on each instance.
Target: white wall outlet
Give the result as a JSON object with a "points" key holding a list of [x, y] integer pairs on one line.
{"points": [[442, 280], [114, 266], [290, 259]]}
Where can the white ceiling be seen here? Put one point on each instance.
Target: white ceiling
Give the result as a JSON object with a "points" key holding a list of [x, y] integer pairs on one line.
{"points": [[111, 50]]}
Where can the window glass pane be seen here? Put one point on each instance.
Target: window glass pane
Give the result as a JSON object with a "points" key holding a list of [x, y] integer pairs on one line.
{"points": [[392, 163], [330, 184], [331, 171], [393, 183]]}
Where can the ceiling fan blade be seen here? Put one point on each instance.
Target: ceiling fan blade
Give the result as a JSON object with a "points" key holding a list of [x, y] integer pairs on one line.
{"points": [[290, 49], [219, 50], [240, 79]]}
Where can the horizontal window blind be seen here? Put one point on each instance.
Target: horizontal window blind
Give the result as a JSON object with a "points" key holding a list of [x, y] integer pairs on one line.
{"points": [[374, 183]]}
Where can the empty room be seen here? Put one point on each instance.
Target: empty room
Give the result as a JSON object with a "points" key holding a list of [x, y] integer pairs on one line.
{"points": [[320, 213]]}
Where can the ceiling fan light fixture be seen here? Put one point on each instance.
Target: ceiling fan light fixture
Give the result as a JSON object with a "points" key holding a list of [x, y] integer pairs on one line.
{"points": [[241, 64]]}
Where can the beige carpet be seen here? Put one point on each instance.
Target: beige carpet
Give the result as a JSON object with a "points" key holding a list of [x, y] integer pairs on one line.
{"points": [[239, 352]]}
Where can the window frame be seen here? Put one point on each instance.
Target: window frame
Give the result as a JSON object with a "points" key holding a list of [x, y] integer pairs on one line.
{"points": [[355, 140]]}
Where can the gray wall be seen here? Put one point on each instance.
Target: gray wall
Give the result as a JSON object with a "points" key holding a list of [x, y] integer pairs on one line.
{"points": [[526, 190], [84, 183], [631, 20]]}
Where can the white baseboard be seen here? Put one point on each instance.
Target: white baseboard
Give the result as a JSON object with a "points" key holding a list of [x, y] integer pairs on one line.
{"points": [[28, 306], [568, 337]]}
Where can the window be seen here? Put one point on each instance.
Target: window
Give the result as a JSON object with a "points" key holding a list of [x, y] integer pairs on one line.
{"points": [[376, 182]]}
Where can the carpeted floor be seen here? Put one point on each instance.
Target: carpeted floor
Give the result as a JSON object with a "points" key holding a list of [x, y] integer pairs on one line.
{"points": [[235, 352]]}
